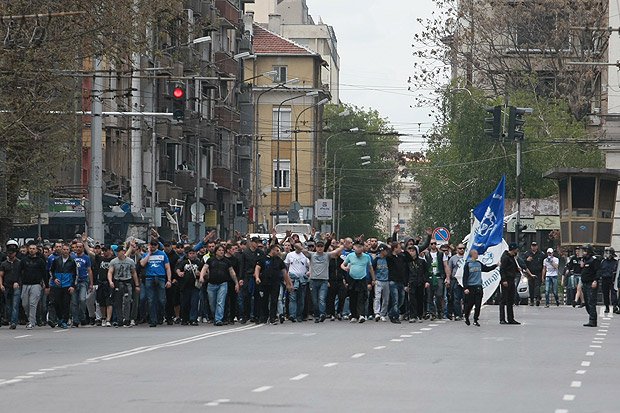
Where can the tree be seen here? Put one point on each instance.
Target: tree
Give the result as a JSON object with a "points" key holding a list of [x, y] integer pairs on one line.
{"points": [[45, 79], [501, 47], [464, 166], [363, 189]]}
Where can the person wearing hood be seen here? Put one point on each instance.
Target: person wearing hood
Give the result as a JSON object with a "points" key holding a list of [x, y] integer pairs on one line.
{"points": [[609, 269], [418, 282], [590, 277]]}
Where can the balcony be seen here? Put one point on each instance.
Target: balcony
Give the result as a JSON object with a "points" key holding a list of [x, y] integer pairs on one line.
{"points": [[186, 180], [222, 177], [229, 10], [226, 117], [226, 64]]}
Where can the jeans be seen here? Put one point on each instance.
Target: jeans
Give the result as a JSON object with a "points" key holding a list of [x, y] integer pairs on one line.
{"points": [[551, 285], [319, 297], [12, 299], [296, 302], [122, 301], [382, 298], [456, 298], [189, 303], [31, 294], [608, 290], [397, 297], [217, 299], [78, 302], [434, 303], [156, 297], [590, 295], [534, 286]]}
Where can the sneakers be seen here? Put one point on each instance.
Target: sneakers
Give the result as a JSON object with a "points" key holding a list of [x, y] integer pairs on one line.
{"points": [[514, 322], [193, 323], [385, 319], [377, 317], [394, 320], [322, 318], [281, 318], [476, 323], [362, 319], [353, 320], [316, 321], [63, 325], [546, 305], [467, 322], [616, 310], [413, 320], [29, 326], [219, 324], [132, 323], [13, 326], [458, 318]]}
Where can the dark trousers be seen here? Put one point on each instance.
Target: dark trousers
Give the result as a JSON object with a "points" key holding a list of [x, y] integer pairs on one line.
{"points": [[189, 303], [590, 295], [507, 301], [416, 301], [336, 290], [534, 287], [609, 292], [230, 309], [172, 300], [474, 298], [358, 294], [268, 296], [62, 302]]}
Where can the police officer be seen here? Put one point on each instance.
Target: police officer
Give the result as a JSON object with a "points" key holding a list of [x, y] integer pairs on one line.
{"points": [[590, 277], [509, 270], [534, 259], [609, 266]]}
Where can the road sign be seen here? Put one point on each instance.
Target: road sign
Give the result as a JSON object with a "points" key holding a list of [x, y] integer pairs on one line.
{"points": [[441, 235], [324, 209]]}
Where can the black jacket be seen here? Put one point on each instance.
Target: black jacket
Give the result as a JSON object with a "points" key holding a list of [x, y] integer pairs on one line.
{"points": [[508, 268], [398, 270], [591, 270], [418, 272], [33, 271]]}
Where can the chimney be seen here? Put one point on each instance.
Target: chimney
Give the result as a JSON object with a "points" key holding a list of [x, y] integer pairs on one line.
{"points": [[248, 23], [275, 23]]}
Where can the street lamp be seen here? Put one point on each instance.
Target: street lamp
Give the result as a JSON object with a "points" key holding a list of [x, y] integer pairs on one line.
{"points": [[319, 103], [312, 93]]}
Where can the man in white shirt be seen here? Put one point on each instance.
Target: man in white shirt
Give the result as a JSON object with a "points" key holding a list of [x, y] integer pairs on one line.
{"points": [[550, 276], [298, 268]]}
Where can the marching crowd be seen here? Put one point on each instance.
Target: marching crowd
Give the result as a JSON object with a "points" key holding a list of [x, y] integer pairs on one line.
{"points": [[72, 284]]}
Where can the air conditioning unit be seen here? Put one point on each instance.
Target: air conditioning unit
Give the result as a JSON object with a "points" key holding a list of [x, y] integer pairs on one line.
{"points": [[594, 120], [212, 185]]}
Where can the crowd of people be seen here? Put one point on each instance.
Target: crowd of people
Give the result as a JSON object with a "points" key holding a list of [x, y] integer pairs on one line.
{"points": [[72, 284]]}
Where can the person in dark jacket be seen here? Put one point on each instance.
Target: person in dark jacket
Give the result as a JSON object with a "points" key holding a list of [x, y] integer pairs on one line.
{"points": [[64, 276], [590, 277], [534, 261], [32, 275], [247, 264], [9, 283], [472, 284], [509, 271], [418, 282], [398, 273], [609, 267]]}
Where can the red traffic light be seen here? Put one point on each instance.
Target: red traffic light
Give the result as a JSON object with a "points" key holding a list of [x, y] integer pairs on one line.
{"points": [[178, 93]]}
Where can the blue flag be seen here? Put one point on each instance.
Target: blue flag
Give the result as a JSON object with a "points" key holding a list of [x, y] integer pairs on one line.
{"points": [[490, 217]]}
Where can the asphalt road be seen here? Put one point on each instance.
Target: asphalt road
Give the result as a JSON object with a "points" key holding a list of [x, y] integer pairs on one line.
{"points": [[549, 364]]}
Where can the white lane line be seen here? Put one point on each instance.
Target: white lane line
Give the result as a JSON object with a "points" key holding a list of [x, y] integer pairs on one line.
{"points": [[585, 364], [606, 318], [590, 353], [35, 373], [569, 397], [46, 369], [299, 377], [262, 389], [330, 364], [212, 404], [575, 384], [309, 334], [358, 355], [601, 334], [217, 402], [602, 330], [433, 325], [561, 411], [23, 377], [416, 332], [396, 340], [61, 331], [379, 348], [405, 335], [425, 329], [580, 372], [10, 382], [596, 346], [25, 335]]}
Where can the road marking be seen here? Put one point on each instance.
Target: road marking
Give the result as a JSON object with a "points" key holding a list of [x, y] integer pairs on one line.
{"points": [[585, 364], [569, 397], [35, 373], [299, 377], [379, 348], [601, 334], [25, 335], [606, 318], [575, 384], [561, 411], [217, 402], [23, 377], [416, 332], [309, 334], [405, 335], [425, 329], [590, 353], [64, 330], [596, 346], [433, 325], [46, 369], [580, 372], [10, 381], [358, 355], [330, 364], [261, 389], [396, 340], [603, 331]]}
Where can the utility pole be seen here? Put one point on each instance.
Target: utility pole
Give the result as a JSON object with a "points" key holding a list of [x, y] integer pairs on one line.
{"points": [[96, 167], [136, 141]]}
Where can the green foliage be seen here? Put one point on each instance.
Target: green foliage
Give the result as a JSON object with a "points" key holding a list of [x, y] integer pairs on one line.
{"points": [[464, 166], [363, 188]]}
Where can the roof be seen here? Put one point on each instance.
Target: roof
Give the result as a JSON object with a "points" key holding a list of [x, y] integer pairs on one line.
{"points": [[269, 43], [560, 173]]}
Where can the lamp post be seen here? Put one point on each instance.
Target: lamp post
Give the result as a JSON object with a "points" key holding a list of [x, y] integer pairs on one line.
{"points": [[325, 158], [316, 105], [313, 93], [359, 143]]}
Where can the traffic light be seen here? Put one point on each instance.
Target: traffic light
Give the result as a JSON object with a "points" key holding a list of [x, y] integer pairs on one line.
{"points": [[493, 124], [515, 124], [178, 102]]}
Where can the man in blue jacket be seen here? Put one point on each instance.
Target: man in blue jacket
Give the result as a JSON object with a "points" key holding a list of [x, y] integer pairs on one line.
{"points": [[64, 275]]}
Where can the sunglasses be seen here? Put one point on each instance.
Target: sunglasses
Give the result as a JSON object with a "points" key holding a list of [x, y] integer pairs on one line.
{"points": [[460, 248], [433, 243]]}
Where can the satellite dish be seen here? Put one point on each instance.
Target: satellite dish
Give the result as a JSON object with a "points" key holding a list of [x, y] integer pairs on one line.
{"points": [[197, 209]]}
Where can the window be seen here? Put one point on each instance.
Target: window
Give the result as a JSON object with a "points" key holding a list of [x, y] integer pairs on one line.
{"points": [[285, 123], [281, 75], [282, 175]]}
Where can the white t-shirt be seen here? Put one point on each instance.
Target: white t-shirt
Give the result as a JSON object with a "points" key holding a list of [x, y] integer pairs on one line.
{"points": [[549, 265], [298, 264]]}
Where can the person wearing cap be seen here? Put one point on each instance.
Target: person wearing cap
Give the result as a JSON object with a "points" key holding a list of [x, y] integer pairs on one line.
{"points": [[609, 266], [104, 290], [158, 277], [590, 277], [319, 278], [188, 272], [509, 270], [247, 264], [298, 267], [534, 261], [572, 279], [358, 265], [550, 276], [9, 283]]}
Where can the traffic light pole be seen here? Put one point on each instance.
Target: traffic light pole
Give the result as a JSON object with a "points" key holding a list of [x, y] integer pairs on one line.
{"points": [[95, 191], [518, 195]]}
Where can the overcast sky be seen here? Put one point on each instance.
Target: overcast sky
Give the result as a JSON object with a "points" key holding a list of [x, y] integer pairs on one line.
{"points": [[374, 43]]}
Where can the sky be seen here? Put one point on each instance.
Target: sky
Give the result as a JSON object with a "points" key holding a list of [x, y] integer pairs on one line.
{"points": [[376, 58]]}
